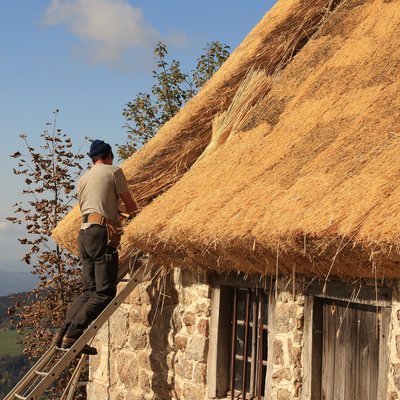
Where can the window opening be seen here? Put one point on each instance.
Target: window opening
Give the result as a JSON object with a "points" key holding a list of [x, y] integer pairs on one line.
{"points": [[249, 343]]}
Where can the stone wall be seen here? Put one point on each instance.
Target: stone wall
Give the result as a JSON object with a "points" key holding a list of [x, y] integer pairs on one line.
{"points": [[287, 343], [394, 347], [155, 345]]}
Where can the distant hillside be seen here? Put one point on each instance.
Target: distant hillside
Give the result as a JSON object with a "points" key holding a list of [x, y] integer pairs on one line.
{"points": [[13, 365], [12, 369], [16, 281], [5, 302]]}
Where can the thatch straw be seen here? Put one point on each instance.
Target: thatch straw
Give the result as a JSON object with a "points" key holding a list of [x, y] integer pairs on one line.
{"points": [[165, 159], [319, 182], [250, 92]]}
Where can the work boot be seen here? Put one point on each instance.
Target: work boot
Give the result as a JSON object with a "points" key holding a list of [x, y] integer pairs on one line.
{"points": [[57, 339], [67, 343]]}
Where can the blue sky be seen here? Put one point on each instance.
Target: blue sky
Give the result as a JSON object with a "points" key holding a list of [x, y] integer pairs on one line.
{"points": [[88, 58]]}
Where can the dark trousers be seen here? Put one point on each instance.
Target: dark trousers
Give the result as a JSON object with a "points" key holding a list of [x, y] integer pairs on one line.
{"points": [[99, 273]]}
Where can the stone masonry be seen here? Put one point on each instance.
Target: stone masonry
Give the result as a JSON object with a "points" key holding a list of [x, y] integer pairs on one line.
{"points": [[394, 347], [287, 344], [155, 345]]}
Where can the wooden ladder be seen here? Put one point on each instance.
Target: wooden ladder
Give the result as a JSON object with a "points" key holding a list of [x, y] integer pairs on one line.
{"points": [[55, 360]]}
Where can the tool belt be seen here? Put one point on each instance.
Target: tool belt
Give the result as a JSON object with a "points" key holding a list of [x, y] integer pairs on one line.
{"points": [[114, 229]]}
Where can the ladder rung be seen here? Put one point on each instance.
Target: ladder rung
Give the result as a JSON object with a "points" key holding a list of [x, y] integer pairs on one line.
{"points": [[41, 373], [83, 383], [19, 397], [61, 349]]}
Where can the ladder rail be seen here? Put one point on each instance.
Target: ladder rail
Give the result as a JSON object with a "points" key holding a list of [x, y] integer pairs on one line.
{"points": [[46, 357], [137, 277], [73, 382]]}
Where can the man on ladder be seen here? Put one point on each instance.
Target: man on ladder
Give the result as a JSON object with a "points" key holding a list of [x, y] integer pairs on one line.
{"points": [[98, 192]]}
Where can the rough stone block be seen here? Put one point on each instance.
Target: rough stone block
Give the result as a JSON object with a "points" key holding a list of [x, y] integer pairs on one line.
{"points": [[187, 298], [138, 338], [282, 374], [127, 369], [284, 394], [193, 392], [139, 295], [278, 352], [398, 346], [203, 309], [144, 381], [297, 373], [180, 341], [135, 394], [144, 360], [200, 373], [299, 323], [285, 318], [178, 387], [189, 319], [184, 368], [159, 342], [396, 376], [170, 360], [295, 356], [99, 365], [197, 349], [140, 315], [298, 336], [204, 291], [102, 334], [96, 360], [163, 316], [116, 394], [119, 328], [297, 389], [393, 396], [176, 320], [203, 327]]}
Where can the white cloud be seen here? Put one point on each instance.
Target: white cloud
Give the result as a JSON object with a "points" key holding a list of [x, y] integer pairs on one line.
{"points": [[108, 29]]}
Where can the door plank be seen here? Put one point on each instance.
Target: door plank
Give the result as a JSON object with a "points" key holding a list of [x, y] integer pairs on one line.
{"points": [[350, 351]]}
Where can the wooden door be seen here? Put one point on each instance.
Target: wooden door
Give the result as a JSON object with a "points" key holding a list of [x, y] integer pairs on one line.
{"points": [[350, 351]]}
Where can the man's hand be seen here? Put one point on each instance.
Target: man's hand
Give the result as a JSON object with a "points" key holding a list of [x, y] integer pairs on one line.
{"points": [[127, 216], [130, 204]]}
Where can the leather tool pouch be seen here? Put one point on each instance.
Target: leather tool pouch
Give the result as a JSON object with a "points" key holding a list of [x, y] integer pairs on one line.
{"points": [[114, 229], [114, 233]]}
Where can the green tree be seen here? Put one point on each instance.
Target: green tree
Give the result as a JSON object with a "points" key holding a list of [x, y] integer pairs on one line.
{"points": [[147, 112], [49, 175]]}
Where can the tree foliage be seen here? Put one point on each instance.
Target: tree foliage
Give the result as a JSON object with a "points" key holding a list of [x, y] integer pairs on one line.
{"points": [[147, 112], [49, 174], [12, 369]]}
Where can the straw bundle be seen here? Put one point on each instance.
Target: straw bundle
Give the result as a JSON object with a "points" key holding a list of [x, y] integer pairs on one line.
{"points": [[250, 92]]}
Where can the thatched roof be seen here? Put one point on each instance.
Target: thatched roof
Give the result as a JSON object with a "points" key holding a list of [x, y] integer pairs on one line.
{"points": [[309, 184], [159, 164]]}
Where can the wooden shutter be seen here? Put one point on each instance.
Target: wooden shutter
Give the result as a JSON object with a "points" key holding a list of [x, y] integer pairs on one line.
{"points": [[350, 351]]}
